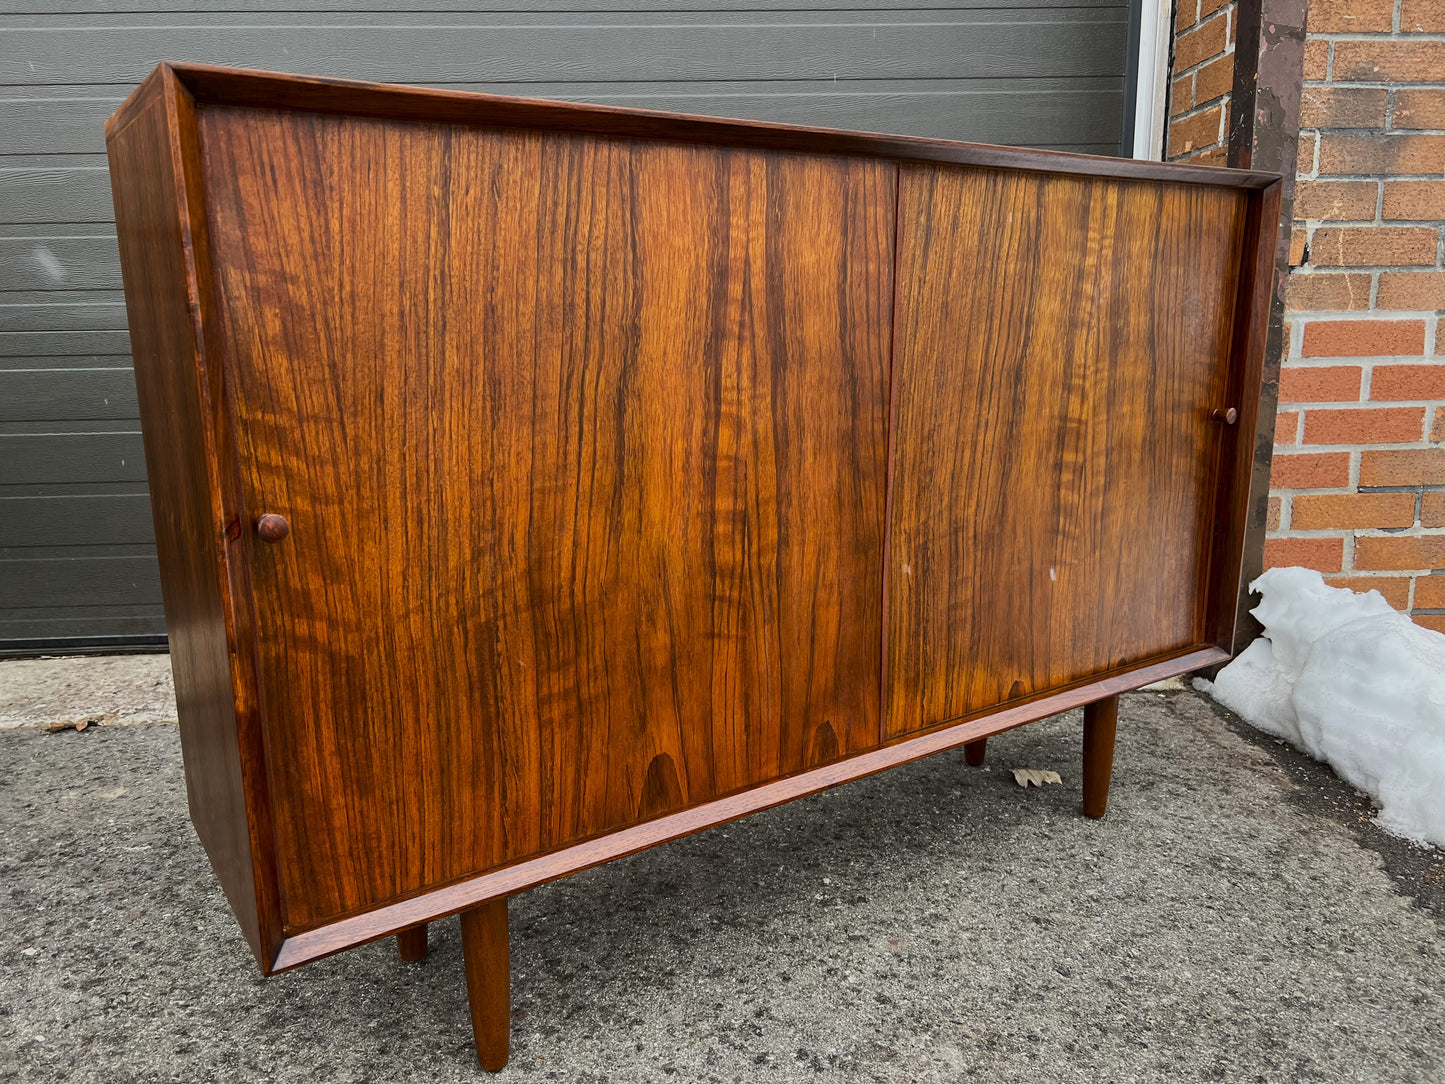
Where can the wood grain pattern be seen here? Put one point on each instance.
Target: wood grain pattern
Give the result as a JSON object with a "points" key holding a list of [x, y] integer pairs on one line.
{"points": [[176, 401], [1245, 453], [579, 419], [351, 97], [1061, 343], [411, 943], [1101, 721], [305, 946], [554, 421], [487, 950]]}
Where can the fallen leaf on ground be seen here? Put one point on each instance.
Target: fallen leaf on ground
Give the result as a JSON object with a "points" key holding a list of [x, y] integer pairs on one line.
{"points": [[1024, 776], [81, 724]]}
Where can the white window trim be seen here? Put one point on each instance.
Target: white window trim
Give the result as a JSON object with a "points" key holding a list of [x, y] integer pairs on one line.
{"points": [[1151, 102]]}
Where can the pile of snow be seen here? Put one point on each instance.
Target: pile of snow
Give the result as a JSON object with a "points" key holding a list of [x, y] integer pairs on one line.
{"points": [[1352, 682]]}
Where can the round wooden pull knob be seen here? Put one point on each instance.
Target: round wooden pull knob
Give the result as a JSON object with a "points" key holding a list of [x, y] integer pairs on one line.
{"points": [[272, 528], [1228, 417]]}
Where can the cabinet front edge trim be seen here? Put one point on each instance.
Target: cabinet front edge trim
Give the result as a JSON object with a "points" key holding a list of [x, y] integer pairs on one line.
{"points": [[301, 948]]}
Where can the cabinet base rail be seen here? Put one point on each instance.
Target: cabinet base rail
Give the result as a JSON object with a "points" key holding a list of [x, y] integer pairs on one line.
{"points": [[303, 946], [485, 940]]}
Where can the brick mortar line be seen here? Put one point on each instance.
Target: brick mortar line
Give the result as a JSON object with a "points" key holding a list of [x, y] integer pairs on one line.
{"points": [[1370, 84], [1422, 358], [1363, 491], [1186, 157], [1412, 495], [1370, 316], [1313, 224], [1288, 496], [1413, 531], [1193, 70], [1360, 223], [1382, 175], [1300, 448], [1373, 131], [1370, 268], [1195, 111], [1377, 36], [1365, 405], [1214, 16], [1341, 404], [1388, 316]]}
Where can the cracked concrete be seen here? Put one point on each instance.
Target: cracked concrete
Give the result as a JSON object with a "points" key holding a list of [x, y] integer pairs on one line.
{"points": [[1233, 918]]}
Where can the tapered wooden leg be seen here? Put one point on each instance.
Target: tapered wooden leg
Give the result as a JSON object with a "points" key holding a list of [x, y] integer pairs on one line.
{"points": [[973, 751], [411, 943], [1100, 721], [489, 980]]}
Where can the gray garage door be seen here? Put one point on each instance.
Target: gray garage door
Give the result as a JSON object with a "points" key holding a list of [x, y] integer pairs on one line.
{"points": [[77, 566]]}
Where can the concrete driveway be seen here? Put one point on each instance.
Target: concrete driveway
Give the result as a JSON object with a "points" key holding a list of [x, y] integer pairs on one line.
{"points": [[1236, 917]]}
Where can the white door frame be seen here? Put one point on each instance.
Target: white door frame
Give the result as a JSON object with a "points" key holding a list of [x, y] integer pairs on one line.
{"points": [[1151, 99]]}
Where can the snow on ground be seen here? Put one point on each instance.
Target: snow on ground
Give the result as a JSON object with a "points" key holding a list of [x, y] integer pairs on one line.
{"points": [[1354, 683]]}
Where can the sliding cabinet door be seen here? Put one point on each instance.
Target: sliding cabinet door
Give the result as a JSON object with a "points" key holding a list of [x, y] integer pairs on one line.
{"points": [[583, 446], [1061, 343]]}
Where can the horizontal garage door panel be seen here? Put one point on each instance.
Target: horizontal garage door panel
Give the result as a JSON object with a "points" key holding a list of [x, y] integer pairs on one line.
{"points": [[77, 310], [994, 71], [52, 522], [59, 263], [54, 194], [91, 627], [102, 581], [39, 395], [1053, 111], [151, 8], [61, 347], [70, 457], [1066, 42]]}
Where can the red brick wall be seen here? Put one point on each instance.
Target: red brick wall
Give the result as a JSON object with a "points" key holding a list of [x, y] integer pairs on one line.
{"points": [[1203, 74], [1358, 484]]}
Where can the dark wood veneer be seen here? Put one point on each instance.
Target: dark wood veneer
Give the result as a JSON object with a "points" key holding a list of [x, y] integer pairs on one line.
{"points": [[1101, 720], [180, 398], [411, 943], [1051, 493], [635, 526], [535, 483], [239, 86]]}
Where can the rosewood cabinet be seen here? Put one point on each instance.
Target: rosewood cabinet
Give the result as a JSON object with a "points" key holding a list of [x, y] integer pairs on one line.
{"points": [[534, 483]]}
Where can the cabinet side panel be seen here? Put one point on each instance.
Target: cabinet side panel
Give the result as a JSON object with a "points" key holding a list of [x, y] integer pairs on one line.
{"points": [[160, 294], [1061, 344], [583, 447]]}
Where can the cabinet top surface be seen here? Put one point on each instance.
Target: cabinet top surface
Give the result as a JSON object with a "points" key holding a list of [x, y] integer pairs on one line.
{"points": [[276, 90]]}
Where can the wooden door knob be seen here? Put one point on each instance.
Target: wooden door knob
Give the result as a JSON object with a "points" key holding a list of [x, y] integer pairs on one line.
{"points": [[1228, 416], [272, 527]]}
